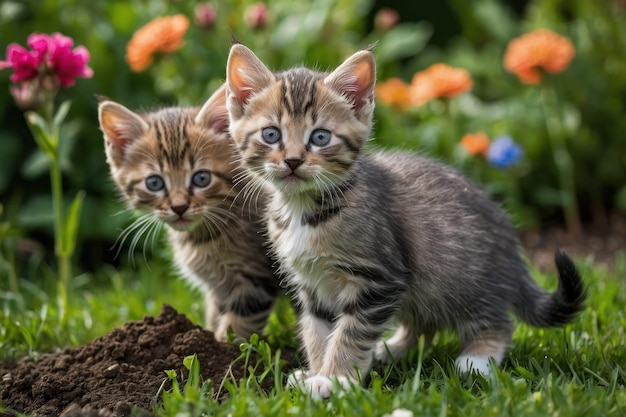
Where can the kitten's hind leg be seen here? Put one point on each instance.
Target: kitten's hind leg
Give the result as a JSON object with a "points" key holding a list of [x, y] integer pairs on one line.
{"points": [[481, 347], [244, 313], [213, 319], [247, 307], [398, 345]]}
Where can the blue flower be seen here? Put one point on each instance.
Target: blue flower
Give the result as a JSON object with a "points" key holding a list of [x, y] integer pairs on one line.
{"points": [[503, 152]]}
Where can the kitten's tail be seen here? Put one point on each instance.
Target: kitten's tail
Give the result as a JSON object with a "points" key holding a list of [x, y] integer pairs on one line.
{"points": [[543, 309]]}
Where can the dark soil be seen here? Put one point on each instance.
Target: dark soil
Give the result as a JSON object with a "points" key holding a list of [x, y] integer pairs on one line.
{"points": [[116, 372], [125, 368], [601, 244]]}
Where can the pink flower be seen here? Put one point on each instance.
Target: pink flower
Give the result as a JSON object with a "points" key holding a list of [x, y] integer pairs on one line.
{"points": [[25, 63], [256, 16], [49, 55], [386, 19], [25, 96], [40, 43], [205, 15], [68, 64]]}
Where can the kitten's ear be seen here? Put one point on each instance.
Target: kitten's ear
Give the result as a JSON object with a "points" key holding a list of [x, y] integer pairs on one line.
{"points": [[213, 113], [245, 74], [355, 79], [120, 127]]}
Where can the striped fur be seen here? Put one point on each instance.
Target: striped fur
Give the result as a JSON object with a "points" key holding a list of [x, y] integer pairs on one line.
{"points": [[372, 240], [214, 229]]}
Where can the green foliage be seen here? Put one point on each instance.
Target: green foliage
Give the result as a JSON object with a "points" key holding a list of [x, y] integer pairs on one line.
{"points": [[577, 370], [189, 398], [588, 109], [568, 127], [29, 318]]}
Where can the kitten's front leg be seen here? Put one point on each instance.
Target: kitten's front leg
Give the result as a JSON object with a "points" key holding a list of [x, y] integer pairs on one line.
{"points": [[314, 332], [350, 347], [213, 318], [348, 355]]}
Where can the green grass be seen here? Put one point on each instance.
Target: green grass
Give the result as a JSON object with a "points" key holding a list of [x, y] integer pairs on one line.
{"points": [[578, 370]]}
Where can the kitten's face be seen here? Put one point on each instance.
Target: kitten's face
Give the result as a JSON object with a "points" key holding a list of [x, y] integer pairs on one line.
{"points": [[176, 163], [299, 129]]}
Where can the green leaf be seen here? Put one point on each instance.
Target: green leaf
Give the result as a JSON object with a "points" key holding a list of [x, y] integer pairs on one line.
{"points": [[125, 16], [36, 212], [37, 164], [7, 230], [28, 337], [524, 373], [193, 365], [72, 221], [61, 113], [404, 40], [496, 19], [10, 12], [547, 196], [41, 132], [68, 139], [171, 374]]}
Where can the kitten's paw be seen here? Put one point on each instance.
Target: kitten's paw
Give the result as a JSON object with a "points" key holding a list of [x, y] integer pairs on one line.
{"points": [[221, 337], [398, 345], [297, 378], [473, 364], [382, 353], [321, 386]]}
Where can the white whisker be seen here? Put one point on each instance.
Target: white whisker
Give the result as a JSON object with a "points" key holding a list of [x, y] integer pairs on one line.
{"points": [[251, 191], [143, 234], [136, 224]]}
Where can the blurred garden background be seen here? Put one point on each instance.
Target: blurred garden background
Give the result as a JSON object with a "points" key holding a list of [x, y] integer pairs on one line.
{"points": [[526, 97], [549, 146]]}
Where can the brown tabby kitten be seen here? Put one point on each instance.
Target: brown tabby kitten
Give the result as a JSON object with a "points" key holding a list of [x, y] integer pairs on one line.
{"points": [[179, 165], [371, 240]]}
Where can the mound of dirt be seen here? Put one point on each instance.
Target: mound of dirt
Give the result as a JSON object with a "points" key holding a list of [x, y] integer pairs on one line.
{"points": [[116, 372]]}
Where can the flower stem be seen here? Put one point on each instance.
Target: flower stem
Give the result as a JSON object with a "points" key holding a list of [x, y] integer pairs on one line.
{"points": [[63, 260], [564, 164]]}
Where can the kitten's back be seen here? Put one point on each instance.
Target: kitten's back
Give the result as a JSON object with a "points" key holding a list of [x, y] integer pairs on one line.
{"points": [[457, 234]]}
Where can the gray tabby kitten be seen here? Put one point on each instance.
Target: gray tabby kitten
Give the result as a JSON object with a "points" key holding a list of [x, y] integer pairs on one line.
{"points": [[368, 241], [178, 164]]}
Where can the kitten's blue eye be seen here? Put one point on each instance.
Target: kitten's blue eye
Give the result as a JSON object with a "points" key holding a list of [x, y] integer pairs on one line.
{"points": [[155, 183], [271, 135], [320, 137], [201, 179]]}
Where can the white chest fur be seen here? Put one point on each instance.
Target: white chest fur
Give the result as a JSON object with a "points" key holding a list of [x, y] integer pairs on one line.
{"points": [[310, 256]]}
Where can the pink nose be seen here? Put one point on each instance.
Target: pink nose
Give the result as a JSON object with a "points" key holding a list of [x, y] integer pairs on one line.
{"points": [[180, 210], [294, 163]]}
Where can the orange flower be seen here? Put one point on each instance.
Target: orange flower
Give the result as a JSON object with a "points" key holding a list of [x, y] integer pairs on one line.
{"points": [[163, 34], [393, 92], [475, 143], [439, 80], [541, 50]]}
